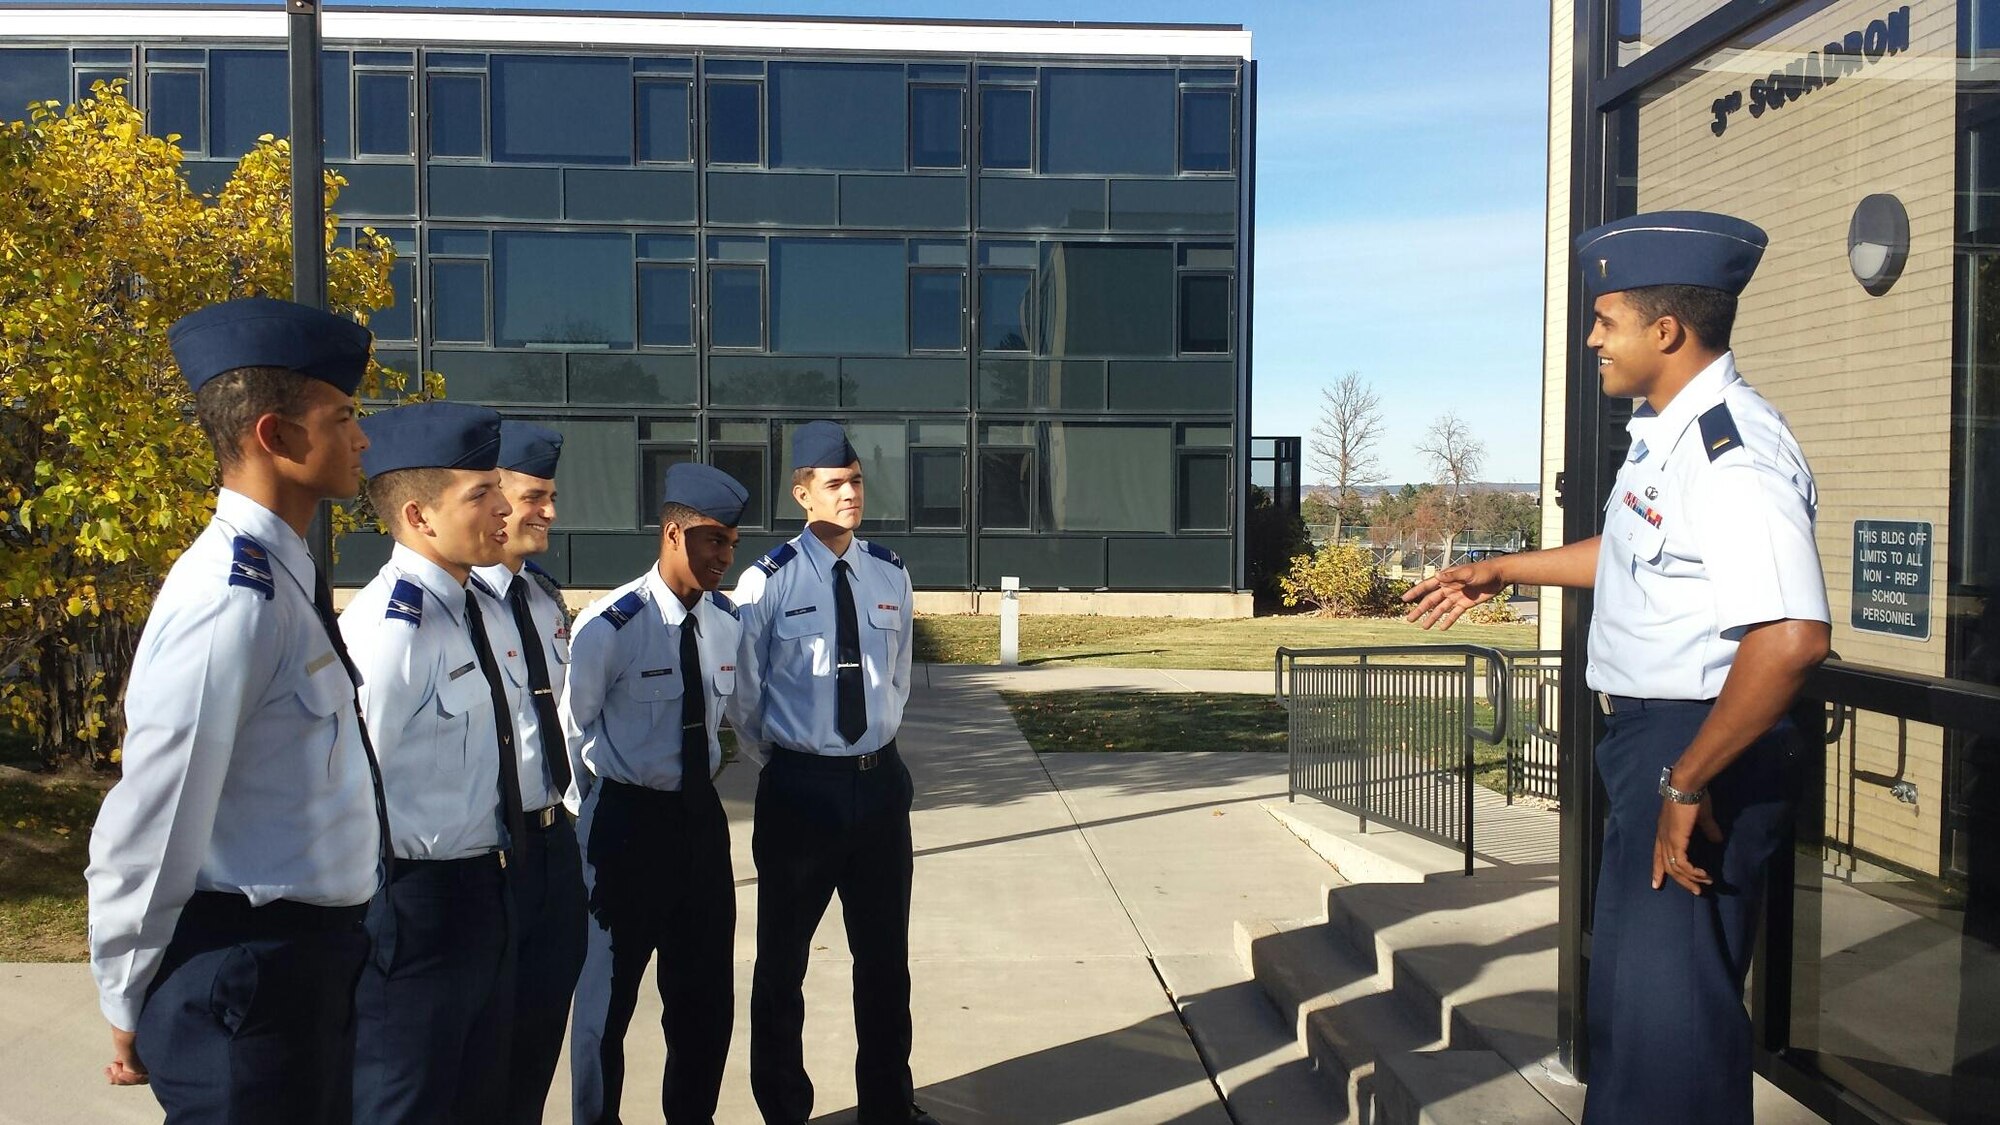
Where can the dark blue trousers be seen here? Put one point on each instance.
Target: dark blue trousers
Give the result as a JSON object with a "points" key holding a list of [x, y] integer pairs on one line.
{"points": [[1669, 1034], [547, 874], [436, 1001], [823, 828], [656, 865], [251, 1016]]}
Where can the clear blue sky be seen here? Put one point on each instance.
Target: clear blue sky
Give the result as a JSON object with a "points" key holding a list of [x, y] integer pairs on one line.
{"points": [[1401, 164]]}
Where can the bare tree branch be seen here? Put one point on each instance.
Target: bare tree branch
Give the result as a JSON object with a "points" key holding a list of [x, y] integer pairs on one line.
{"points": [[1455, 455], [1342, 443]]}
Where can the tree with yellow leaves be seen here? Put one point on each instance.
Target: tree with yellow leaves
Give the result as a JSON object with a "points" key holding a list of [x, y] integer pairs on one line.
{"points": [[103, 480]]}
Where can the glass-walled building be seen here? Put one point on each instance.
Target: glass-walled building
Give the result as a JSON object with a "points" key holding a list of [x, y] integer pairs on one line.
{"points": [[1013, 259], [1864, 136]]}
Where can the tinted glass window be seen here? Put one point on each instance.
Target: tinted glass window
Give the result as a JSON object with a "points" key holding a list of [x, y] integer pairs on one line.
{"points": [[1108, 121], [564, 110], [1006, 127], [1208, 128], [31, 76], [554, 289], [458, 115], [1110, 478], [382, 114], [1112, 300], [653, 465], [1003, 311], [937, 126], [666, 305], [747, 466], [599, 487], [663, 121], [937, 301], [837, 115], [336, 107], [246, 99], [87, 80], [839, 296], [735, 112], [1204, 492], [1204, 313], [735, 307], [883, 448], [1006, 480], [173, 105], [398, 320], [937, 486], [458, 301]]}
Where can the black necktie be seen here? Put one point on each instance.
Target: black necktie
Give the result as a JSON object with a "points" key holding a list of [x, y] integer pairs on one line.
{"points": [[323, 603], [503, 727], [554, 750], [695, 777], [851, 700]]}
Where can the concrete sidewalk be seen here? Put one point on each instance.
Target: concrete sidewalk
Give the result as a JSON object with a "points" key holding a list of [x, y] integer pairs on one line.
{"points": [[1062, 906]]}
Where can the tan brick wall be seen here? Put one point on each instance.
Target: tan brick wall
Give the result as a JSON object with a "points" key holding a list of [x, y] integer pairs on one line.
{"points": [[1865, 381]]}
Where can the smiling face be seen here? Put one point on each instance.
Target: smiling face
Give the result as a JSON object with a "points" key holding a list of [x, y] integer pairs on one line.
{"points": [[465, 524], [534, 502], [830, 496], [1631, 347], [695, 551]]}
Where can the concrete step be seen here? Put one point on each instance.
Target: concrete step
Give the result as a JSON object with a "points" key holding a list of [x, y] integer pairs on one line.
{"points": [[1252, 1050], [1457, 1088]]}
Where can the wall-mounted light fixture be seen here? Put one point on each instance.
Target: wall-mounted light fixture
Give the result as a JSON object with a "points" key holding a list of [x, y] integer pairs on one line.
{"points": [[1878, 242]]}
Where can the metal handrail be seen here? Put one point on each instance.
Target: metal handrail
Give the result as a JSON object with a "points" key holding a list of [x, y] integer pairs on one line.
{"points": [[1499, 675]]}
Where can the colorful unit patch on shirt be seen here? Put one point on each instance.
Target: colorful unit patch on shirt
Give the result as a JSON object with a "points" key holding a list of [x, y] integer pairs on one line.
{"points": [[1646, 511]]}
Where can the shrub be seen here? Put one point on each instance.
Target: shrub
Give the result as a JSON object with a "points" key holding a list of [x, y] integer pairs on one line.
{"points": [[1341, 579], [1499, 611]]}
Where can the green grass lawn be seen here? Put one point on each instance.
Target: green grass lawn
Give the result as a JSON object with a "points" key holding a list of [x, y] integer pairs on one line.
{"points": [[1060, 721], [44, 845], [1156, 642]]}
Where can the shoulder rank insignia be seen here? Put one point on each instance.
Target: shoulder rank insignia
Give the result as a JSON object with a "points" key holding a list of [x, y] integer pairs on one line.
{"points": [[250, 567], [777, 557], [722, 603], [883, 553], [1718, 431], [624, 609], [406, 602]]}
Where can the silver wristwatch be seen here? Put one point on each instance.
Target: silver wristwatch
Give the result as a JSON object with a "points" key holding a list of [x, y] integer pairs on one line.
{"points": [[1668, 791]]}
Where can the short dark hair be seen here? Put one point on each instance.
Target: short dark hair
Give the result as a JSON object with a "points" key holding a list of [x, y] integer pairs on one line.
{"points": [[388, 492], [679, 515], [1710, 314], [230, 403]]}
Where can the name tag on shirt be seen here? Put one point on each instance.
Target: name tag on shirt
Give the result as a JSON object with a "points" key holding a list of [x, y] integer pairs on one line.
{"points": [[462, 670], [800, 610], [657, 672], [322, 660]]}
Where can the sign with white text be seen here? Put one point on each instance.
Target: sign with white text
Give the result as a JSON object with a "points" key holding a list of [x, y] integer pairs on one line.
{"points": [[1892, 578]]}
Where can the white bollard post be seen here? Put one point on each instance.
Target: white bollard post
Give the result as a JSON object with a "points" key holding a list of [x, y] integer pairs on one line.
{"points": [[1010, 621]]}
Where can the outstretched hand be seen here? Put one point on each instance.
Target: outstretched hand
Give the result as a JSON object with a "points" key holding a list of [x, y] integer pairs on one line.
{"points": [[1444, 597]]}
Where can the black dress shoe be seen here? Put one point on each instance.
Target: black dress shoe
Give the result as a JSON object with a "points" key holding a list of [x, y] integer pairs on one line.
{"points": [[919, 1117]]}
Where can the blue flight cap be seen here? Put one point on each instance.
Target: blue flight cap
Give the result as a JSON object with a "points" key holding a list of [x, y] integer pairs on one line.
{"points": [[1670, 248], [707, 490], [263, 332], [822, 445], [527, 447], [431, 435]]}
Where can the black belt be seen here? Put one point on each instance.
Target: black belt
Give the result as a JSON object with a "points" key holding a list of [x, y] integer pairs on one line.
{"points": [[219, 910], [466, 868], [836, 763], [545, 819], [1625, 704]]}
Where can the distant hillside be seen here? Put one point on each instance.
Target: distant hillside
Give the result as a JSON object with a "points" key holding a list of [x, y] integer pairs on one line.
{"points": [[1371, 492]]}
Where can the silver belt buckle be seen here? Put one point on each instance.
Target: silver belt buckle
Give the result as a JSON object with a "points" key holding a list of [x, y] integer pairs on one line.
{"points": [[867, 761]]}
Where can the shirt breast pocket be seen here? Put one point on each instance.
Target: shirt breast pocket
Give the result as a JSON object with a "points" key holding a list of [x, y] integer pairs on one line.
{"points": [[803, 642], [1638, 537], [456, 697], [651, 691], [890, 622], [321, 695]]}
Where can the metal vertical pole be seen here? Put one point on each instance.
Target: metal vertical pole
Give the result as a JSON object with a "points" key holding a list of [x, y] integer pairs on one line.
{"points": [[308, 202]]}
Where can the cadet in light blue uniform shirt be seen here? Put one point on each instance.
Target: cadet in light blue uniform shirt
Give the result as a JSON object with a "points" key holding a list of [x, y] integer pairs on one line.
{"points": [[230, 868], [1710, 611], [653, 667], [529, 633], [822, 676], [435, 1004]]}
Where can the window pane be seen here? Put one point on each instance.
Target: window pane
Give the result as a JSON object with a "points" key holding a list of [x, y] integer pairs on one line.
{"points": [[1006, 127], [735, 307], [837, 296], [837, 115], [653, 465], [382, 114], [1003, 311], [663, 121], [31, 76], [562, 110], [937, 319], [458, 115], [1110, 477], [458, 301], [246, 98], [937, 127], [884, 467], [173, 105], [1204, 493], [747, 466], [1204, 313], [87, 79], [336, 108], [556, 289], [666, 305], [938, 484], [1207, 128], [1109, 300], [598, 489], [735, 110], [1108, 121], [398, 320], [1005, 479]]}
